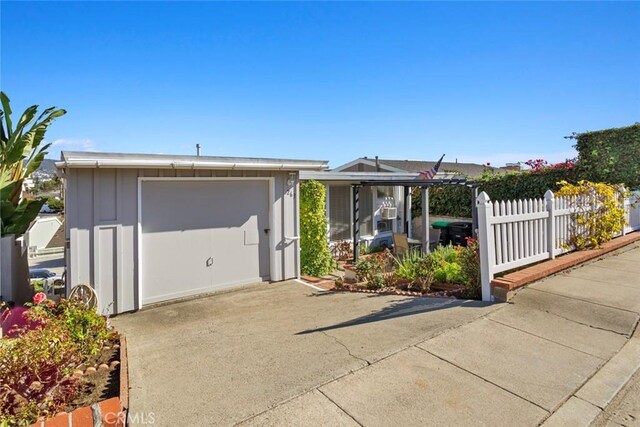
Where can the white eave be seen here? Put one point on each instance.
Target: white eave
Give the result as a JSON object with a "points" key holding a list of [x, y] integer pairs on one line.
{"points": [[159, 161], [358, 176]]}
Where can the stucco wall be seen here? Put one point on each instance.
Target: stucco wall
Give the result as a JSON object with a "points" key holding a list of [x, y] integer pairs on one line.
{"points": [[101, 224]]}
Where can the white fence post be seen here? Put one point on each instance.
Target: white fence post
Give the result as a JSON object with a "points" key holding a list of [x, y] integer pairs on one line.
{"points": [[626, 207], [487, 251], [551, 224]]}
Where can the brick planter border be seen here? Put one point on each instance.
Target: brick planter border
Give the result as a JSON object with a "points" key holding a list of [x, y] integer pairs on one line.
{"points": [[502, 288], [107, 413]]}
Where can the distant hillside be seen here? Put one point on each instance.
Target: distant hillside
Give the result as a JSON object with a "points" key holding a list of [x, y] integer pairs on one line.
{"points": [[48, 167]]}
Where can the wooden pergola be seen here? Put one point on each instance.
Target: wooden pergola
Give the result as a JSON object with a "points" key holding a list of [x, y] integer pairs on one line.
{"points": [[424, 185]]}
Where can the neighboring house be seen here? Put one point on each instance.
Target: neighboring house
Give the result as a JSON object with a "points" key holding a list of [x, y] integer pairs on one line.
{"points": [[58, 240], [447, 169], [27, 184], [41, 232], [377, 221], [145, 228]]}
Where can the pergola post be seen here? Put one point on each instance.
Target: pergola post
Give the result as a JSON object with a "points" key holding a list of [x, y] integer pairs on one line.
{"points": [[425, 219], [474, 212], [356, 222], [405, 213], [409, 215]]}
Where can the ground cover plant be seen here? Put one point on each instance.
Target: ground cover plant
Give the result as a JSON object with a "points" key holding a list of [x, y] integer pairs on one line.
{"points": [[36, 366], [448, 270]]}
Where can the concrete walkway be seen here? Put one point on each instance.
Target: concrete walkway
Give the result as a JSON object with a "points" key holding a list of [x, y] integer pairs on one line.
{"points": [[557, 355]]}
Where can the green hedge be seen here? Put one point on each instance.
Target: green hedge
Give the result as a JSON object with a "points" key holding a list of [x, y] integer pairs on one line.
{"points": [[315, 257], [610, 155], [456, 201]]}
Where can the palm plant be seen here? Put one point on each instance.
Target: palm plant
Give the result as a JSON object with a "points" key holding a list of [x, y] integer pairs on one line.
{"points": [[21, 154]]}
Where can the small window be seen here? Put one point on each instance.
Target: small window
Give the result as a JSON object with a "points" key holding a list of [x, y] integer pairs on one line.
{"points": [[384, 192]]}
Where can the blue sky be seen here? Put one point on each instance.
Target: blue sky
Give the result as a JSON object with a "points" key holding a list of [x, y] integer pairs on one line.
{"points": [[482, 82]]}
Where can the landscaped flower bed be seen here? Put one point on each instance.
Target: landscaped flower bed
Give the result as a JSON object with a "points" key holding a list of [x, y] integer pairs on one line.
{"points": [[65, 357], [447, 272]]}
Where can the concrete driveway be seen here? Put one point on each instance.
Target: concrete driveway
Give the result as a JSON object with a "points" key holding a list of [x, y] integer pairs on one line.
{"points": [[221, 359]]}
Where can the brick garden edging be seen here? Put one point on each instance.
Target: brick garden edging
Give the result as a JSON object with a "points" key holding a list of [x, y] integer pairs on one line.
{"points": [[107, 413], [502, 288]]}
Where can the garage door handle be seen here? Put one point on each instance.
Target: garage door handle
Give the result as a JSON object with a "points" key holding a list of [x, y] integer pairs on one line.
{"points": [[209, 262]]}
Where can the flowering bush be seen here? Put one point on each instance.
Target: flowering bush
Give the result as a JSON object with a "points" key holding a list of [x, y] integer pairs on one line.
{"points": [[35, 367], [539, 165], [599, 214], [39, 298]]}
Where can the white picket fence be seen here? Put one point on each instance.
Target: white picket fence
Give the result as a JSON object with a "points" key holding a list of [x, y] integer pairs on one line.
{"points": [[516, 233], [632, 211]]}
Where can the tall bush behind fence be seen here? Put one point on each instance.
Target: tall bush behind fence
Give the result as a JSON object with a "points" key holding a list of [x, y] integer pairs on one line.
{"points": [[610, 155]]}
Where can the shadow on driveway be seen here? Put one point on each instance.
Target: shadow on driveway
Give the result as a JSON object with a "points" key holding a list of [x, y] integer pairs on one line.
{"points": [[401, 308]]}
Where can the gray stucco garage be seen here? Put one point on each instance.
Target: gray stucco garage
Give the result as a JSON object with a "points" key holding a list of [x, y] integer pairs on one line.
{"points": [[143, 229]]}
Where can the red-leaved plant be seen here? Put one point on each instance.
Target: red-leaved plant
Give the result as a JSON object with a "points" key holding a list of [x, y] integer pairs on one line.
{"points": [[36, 366]]}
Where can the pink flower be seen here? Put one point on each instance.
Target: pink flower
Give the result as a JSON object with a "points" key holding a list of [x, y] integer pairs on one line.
{"points": [[39, 297]]}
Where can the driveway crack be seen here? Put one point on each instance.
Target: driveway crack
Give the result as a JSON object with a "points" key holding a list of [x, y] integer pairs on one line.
{"points": [[346, 348]]}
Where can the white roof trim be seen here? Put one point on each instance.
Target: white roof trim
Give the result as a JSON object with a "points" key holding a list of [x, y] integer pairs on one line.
{"points": [[370, 162], [357, 177], [144, 161]]}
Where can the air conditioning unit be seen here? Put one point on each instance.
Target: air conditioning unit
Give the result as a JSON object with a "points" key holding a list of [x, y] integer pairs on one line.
{"points": [[389, 212]]}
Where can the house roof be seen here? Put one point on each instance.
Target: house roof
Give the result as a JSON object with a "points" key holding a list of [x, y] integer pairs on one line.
{"points": [[85, 159], [58, 240], [357, 177], [470, 170]]}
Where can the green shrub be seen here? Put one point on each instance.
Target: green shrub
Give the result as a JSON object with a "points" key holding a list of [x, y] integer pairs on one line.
{"points": [[449, 272], [55, 204], [377, 281], [417, 268], [610, 155], [444, 254], [373, 265], [469, 260], [408, 266], [37, 286], [315, 256]]}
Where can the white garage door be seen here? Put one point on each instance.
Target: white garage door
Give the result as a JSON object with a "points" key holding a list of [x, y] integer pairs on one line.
{"points": [[202, 235]]}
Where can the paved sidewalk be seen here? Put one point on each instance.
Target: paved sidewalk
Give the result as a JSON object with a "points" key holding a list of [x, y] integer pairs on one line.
{"points": [[624, 410], [558, 354]]}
